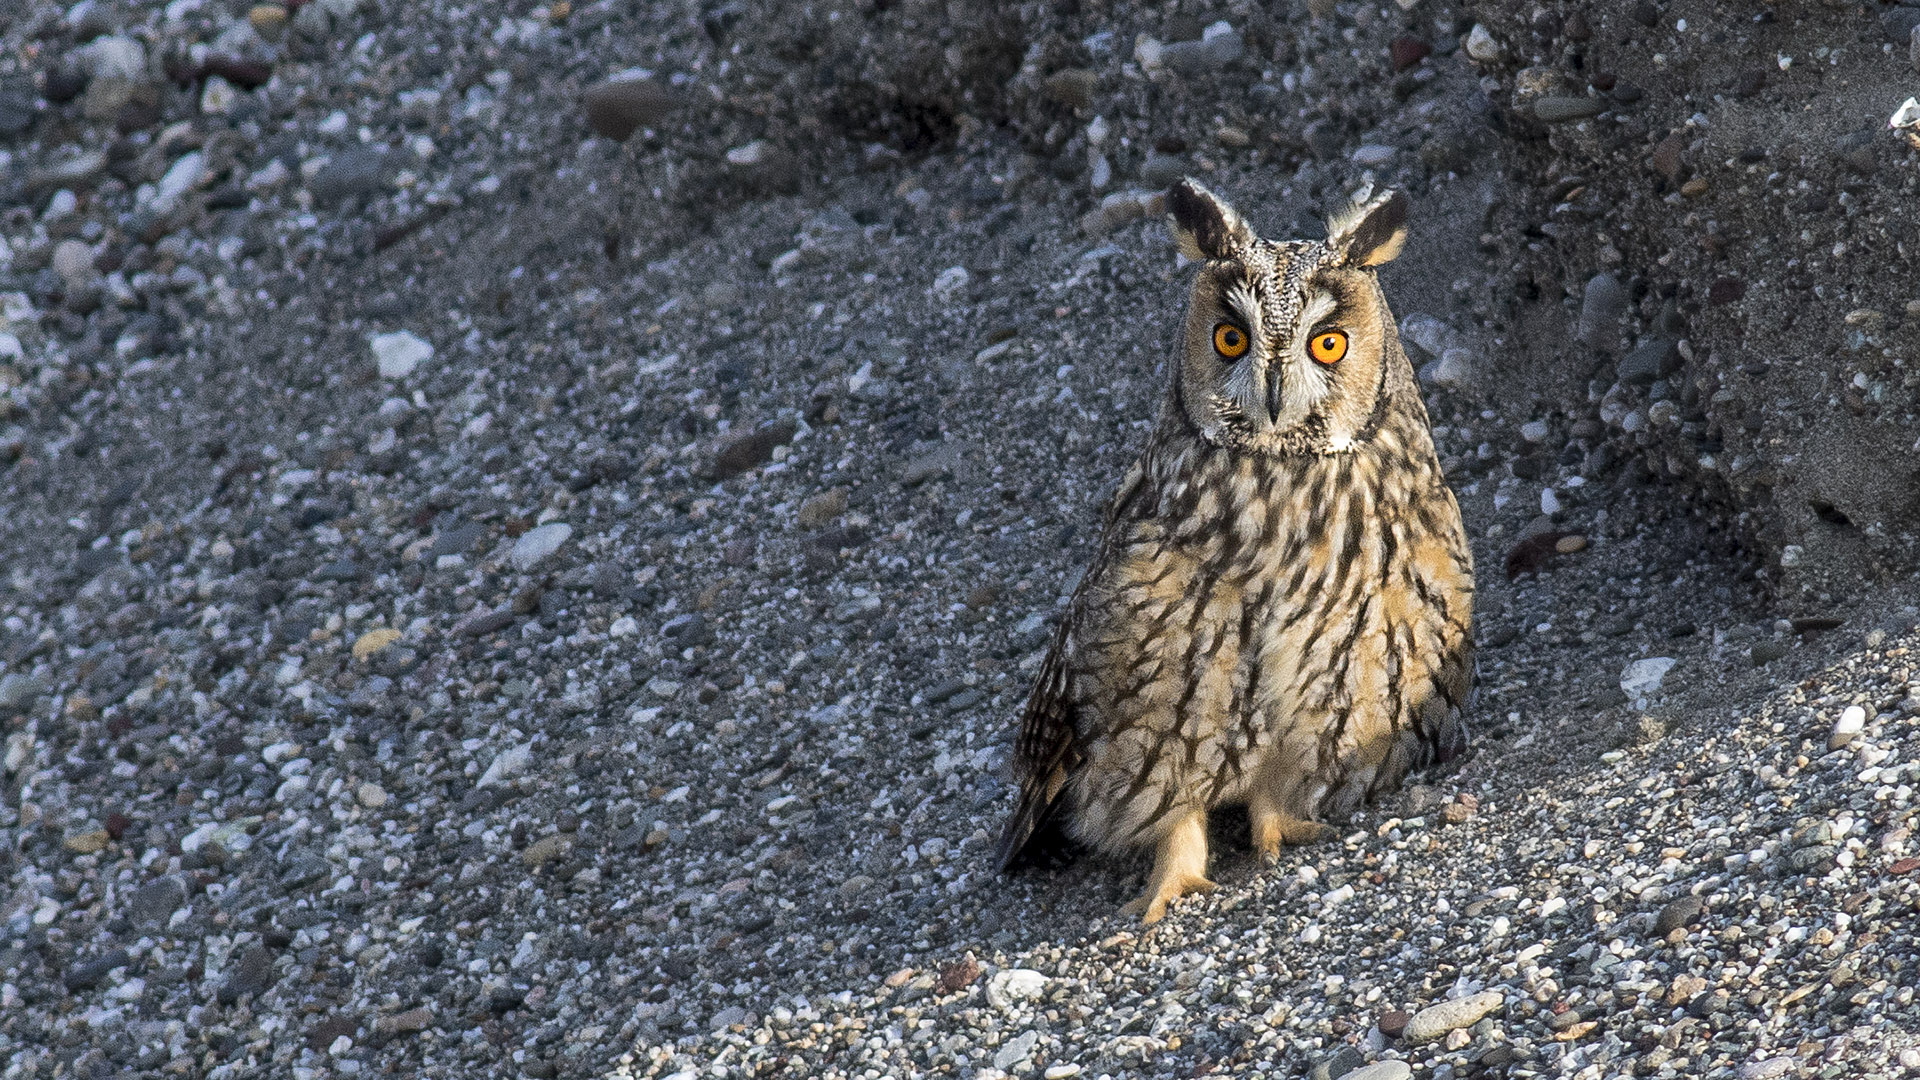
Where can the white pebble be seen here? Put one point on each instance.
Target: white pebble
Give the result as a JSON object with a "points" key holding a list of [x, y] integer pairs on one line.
{"points": [[1642, 678], [1549, 501], [533, 548], [1851, 723], [507, 765], [399, 353]]}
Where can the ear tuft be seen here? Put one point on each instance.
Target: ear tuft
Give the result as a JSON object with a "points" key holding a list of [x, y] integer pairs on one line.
{"points": [[1203, 224], [1370, 233]]}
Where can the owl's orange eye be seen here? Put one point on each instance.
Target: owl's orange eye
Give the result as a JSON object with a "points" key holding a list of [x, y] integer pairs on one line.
{"points": [[1328, 347], [1229, 340]]}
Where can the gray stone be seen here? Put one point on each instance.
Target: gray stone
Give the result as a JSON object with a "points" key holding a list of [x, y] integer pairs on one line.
{"points": [[1434, 1021], [16, 112], [1163, 170], [1016, 1050], [252, 972], [347, 174], [1766, 652], [1382, 1070], [19, 692], [1679, 913], [156, 901], [87, 974], [538, 545], [1342, 1063], [619, 107], [1601, 308], [1648, 362], [1186, 57], [1559, 110]]}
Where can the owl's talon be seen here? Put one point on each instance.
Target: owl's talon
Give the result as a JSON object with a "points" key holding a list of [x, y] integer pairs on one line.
{"points": [[1274, 829], [1151, 905]]}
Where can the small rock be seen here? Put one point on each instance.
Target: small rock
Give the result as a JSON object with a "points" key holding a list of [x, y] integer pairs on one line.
{"points": [[1650, 361], [155, 902], [87, 974], [1682, 912], [957, 976], [73, 261], [16, 111], [538, 544], [1853, 720], [1560, 110], [1406, 51], [621, 106], [115, 57], [1435, 1021], [1393, 1023], [482, 623], [400, 352], [1014, 985], [1382, 1070], [252, 972], [1481, 45], [1602, 306], [823, 508], [270, 20], [370, 795], [373, 641], [1015, 1051], [347, 174], [506, 765], [950, 282], [1342, 1063], [752, 449], [1766, 652], [1073, 87], [1642, 679], [546, 849], [1162, 170], [1767, 1069], [415, 1019], [1666, 157], [1371, 155], [87, 843]]}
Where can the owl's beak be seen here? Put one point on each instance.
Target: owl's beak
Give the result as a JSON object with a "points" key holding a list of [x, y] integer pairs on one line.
{"points": [[1273, 394]]}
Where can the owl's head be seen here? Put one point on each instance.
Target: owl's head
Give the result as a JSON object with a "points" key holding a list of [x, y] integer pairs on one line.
{"points": [[1289, 344]]}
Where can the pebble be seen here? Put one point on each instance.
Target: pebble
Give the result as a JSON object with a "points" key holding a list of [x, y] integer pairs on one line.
{"points": [[506, 765], [623, 105], [347, 174], [1073, 87], [1381, 1070], [823, 508], [1554, 109], [1676, 914], [73, 261], [1435, 1021], [1370, 155], [1642, 679], [1649, 361], [1766, 652], [950, 282], [1013, 986], [270, 20], [1853, 721], [373, 641], [1767, 1069], [252, 973], [155, 902], [1602, 306], [398, 353], [418, 1018], [16, 112], [370, 795], [87, 843], [752, 449], [1481, 45], [538, 544]]}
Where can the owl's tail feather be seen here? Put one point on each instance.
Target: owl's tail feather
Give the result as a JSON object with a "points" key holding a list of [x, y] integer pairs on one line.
{"points": [[1035, 826]]}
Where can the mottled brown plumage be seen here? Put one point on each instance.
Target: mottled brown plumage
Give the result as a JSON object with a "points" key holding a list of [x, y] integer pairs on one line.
{"points": [[1279, 612]]}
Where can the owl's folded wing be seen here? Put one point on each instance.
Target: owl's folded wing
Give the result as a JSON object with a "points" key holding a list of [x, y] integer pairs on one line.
{"points": [[1045, 754]]}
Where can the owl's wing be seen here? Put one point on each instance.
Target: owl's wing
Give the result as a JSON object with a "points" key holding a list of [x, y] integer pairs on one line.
{"points": [[1048, 748], [1045, 754]]}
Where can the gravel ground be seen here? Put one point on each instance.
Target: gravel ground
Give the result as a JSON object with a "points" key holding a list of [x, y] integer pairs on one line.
{"points": [[470, 610]]}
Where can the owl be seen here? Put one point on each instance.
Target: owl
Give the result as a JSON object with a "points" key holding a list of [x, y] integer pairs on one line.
{"points": [[1279, 613]]}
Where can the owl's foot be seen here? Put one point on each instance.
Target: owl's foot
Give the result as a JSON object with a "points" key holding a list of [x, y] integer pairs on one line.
{"points": [[1273, 829], [1179, 868]]}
